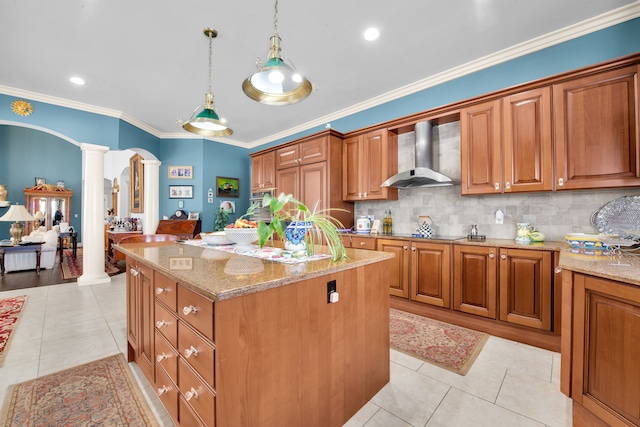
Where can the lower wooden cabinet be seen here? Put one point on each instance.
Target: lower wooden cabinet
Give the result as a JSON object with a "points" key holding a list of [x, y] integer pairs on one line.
{"points": [[420, 271], [512, 285], [140, 317], [601, 363]]}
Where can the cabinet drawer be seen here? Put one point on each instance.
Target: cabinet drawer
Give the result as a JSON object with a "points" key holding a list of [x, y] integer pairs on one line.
{"points": [[165, 290], [168, 393], [196, 310], [358, 242], [204, 403], [167, 357], [187, 416], [166, 324], [202, 358]]}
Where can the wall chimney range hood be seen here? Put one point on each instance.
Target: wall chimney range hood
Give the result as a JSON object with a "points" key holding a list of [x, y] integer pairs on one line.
{"points": [[425, 173]]}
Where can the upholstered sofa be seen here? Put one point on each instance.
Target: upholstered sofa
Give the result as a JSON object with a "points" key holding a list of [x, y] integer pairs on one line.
{"points": [[27, 260]]}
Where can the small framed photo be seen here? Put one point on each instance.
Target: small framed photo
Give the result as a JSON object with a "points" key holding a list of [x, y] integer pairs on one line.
{"points": [[228, 206], [41, 181], [60, 183], [180, 172], [181, 191], [227, 187], [194, 215]]}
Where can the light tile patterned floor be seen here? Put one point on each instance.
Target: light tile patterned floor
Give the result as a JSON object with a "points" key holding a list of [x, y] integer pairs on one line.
{"points": [[510, 384]]}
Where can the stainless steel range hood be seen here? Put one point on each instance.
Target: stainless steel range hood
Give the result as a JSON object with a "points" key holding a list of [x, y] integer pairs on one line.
{"points": [[425, 173]]}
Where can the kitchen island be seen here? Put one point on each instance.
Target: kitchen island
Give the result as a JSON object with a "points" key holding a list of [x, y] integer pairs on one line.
{"points": [[601, 338], [232, 340]]}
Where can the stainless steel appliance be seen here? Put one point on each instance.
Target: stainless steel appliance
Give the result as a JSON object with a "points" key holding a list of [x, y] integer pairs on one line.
{"points": [[261, 213]]}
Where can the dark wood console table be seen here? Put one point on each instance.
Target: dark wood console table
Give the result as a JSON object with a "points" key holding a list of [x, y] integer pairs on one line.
{"points": [[183, 228], [32, 247], [71, 235]]}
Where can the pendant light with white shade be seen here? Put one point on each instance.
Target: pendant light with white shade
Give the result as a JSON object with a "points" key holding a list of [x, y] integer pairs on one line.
{"points": [[205, 120], [276, 82]]}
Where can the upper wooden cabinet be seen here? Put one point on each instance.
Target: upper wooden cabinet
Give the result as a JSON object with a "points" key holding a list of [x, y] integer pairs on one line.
{"points": [[302, 154], [506, 144], [263, 171], [367, 161], [596, 131]]}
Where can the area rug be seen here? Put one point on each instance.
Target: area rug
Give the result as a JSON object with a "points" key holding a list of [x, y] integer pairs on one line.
{"points": [[99, 393], [10, 312], [447, 346], [72, 267]]}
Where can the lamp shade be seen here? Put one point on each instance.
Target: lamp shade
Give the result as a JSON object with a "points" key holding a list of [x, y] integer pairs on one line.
{"points": [[39, 215], [17, 213]]}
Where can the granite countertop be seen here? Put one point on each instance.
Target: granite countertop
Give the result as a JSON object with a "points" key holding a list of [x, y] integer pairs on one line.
{"points": [[624, 268], [222, 275]]}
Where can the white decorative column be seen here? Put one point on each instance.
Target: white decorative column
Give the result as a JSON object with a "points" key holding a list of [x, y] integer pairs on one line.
{"points": [[93, 215], [151, 196]]}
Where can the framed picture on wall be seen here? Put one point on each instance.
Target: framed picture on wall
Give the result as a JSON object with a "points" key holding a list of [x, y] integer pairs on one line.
{"points": [[136, 179], [180, 172], [181, 191], [227, 187], [194, 215], [40, 181]]}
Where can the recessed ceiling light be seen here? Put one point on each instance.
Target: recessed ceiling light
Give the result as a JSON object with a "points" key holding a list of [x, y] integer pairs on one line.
{"points": [[371, 34], [76, 80]]}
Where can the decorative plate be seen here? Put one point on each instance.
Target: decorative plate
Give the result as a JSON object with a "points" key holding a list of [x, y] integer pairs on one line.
{"points": [[21, 107], [620, 217]]}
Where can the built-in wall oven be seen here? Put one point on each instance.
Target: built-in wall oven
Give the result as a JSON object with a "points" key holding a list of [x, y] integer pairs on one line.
{"points": [[261, 213]]}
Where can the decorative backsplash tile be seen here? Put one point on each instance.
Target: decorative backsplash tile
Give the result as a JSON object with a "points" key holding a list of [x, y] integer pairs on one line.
{"points": [[553, 213]]}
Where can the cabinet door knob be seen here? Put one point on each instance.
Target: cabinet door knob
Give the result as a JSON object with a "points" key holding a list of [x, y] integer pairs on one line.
{"points": [[560, 182], [492, 255], [365, 195], [496, 186], [161, 323], [405, 247], [163, 390], [558, 270], [134, 271], [192, 393], [359, 195], [507, 185], [413, 248], [161, 291], [190, 351], [161, 357], [190, 309], [503, 256]]}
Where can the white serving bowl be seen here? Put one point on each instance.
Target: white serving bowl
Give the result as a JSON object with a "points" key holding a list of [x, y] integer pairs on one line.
{"points": [[216, 238], [242, 237]]}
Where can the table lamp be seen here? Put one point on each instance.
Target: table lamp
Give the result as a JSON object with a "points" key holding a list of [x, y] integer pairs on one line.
{"points": [[17, 213], [39, 216]]}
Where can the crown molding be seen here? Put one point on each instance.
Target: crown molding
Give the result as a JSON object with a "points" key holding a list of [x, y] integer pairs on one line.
{"points": [[587, 26]]}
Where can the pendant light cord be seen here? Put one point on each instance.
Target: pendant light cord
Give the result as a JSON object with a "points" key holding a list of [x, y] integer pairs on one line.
{"points": [[210, 40], [275, 18]]}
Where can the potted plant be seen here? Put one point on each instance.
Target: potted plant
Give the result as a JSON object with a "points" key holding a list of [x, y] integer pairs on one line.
{"points": [[221, 220], [291, 219]]}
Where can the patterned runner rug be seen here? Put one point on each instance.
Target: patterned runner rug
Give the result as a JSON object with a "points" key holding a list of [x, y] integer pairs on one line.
{"points": [[72, 267], [10, 312], [99, 393], [448, 346]]}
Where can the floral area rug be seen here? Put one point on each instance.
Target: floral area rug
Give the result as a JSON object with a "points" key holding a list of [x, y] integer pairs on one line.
{"points": [[10, 311], [72, 267], [448, 346], [99, 393]]}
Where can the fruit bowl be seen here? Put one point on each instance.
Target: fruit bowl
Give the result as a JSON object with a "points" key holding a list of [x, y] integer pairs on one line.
{"points": [[216, 238], [242, 237]]}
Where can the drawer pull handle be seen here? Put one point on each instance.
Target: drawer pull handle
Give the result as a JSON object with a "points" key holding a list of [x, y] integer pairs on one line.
{"points": [[192, 393], [163, 390], [161, 323], [363, 243], [161, 357], [161, 291], [190, 309], [190, 351], [134, 271]]}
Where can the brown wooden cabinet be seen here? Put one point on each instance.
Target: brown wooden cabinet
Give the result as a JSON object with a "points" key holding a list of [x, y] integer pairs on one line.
{"points": [[48, 202], [140, 317], [506, 144], [314, 169], [183, 228], [421, 271], [368, 160], [597, 142], [263, 171], [512, 285], [602, 367]]}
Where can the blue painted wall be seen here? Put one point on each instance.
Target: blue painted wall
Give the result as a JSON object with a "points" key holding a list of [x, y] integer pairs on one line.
{"points": [[25, 153]]}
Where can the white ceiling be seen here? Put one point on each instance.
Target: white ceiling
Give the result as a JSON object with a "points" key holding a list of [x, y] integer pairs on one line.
{"points": [[147, 60]]}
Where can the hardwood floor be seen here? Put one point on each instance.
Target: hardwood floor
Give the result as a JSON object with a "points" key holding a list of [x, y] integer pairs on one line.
{"points": [[30, 278]]}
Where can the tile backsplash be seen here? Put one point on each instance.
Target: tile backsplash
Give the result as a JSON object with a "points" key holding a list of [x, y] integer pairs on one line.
{"points": [[552, 213]]}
